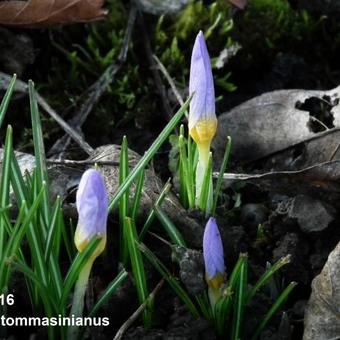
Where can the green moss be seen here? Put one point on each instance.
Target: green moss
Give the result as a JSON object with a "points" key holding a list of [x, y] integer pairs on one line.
{"points": [[175, 36]]}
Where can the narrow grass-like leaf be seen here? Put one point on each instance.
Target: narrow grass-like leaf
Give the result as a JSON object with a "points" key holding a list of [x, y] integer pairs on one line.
{"points": [[32, 235], [42, 177], [19, 230], [206, 191], [17, 181], [39, 150], [75, 268], [220, 175], [223, 307], [4, 270], [191, 171], [50, 306], [52, 230], [5, 101], [152, 213], [169, 227], [149, 154], [266, 276], [222, 311], [124, 200], [109, 291], [138, 195], [274, 308], [66, 236], [239, 301], [5, 185], [175, 285], [137, 266], [183, 171], [205, 306]]}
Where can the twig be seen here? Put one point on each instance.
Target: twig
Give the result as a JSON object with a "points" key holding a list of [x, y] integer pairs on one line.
{"points": [[137, 313], [97, 89], [83, 162], [167, 112], [334, 152], [21, 86], [169, 79]]}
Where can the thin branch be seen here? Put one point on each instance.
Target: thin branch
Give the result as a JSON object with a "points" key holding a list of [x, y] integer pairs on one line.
{"points": [[21, 86], [167, 112], [82, 162], [138, 312], [167, 76]]}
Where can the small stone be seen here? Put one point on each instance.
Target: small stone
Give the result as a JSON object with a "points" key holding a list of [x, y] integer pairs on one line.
{"points": [[311, 214]]}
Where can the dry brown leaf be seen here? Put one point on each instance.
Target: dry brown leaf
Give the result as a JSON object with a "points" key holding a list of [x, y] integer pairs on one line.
{"points": [[241, 4], [50, 12]]}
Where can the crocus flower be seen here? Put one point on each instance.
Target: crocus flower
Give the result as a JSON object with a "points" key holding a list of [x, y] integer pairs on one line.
{"points": [[213, 255], [92, 206], [202, 117]]}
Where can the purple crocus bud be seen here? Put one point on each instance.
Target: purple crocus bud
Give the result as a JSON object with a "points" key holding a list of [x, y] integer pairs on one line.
{"points": [[92, 206], [202, 117], [213, 255]]}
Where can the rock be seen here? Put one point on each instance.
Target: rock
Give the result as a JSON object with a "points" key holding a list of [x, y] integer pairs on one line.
{"points": [[253, 214], [322, 316], [311, 214], [298, 249], [160, 7], [191, 269]]}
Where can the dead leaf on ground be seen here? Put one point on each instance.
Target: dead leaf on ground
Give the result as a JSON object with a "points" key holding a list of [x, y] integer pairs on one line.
{"points": [[241, 4], [50, 12], [275, 121]]}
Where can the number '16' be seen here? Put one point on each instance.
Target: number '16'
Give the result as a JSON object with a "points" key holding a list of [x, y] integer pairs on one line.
{"points": [[7, 299]]}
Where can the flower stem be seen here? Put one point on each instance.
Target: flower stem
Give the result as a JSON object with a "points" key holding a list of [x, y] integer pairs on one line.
{"points": [[202, 168], [78, 298]]}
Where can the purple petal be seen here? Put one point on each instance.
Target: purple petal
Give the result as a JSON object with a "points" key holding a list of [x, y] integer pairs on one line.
{"points": [[201, 83], [92, 206], [213, 250]]}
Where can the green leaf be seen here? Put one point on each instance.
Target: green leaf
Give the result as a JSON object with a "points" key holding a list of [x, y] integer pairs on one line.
{"points": [[169, 227], [39, 150], [221, 173], [5, 186], [138, 269], [240, 299], [124, 200], [138, 195], [109, 291], [152, 213], [149, 154], [274, 308], [5, 101], [266, 276], [53, 229], [175, 285], [206, 192]]}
